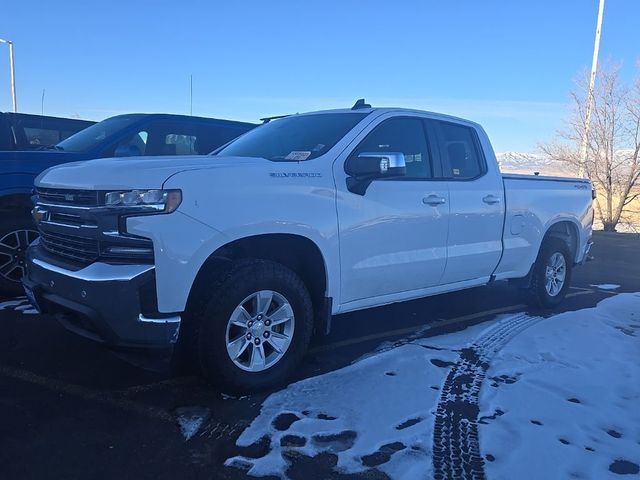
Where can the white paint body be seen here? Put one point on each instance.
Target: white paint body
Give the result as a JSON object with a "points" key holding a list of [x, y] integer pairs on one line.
{"points": [[385, 246]]}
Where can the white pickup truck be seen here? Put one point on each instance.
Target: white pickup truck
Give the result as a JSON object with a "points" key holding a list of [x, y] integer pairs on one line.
{"points": [[240, 255]]}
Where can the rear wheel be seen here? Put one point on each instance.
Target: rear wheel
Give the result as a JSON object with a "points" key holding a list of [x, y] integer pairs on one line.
{"points": [[255, 327], [551, 274], [16, 234]]}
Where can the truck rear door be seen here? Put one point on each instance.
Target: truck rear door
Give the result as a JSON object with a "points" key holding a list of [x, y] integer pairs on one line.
{"points": [[476, 193]]}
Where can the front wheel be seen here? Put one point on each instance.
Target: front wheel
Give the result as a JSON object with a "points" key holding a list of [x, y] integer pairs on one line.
{"points": [[16, 234], [256, 326], [551, 274]]}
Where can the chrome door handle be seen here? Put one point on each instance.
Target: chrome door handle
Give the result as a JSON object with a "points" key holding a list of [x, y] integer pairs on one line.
{"points": [[433, 200], [491, 199]]}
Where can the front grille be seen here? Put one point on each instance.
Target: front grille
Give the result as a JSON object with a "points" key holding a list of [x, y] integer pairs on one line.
{"points": [[84, 198], [81, 236], [80, 249]]}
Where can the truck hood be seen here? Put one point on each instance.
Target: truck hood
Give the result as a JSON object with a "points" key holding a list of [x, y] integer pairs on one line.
{"points": [[131, 172]]}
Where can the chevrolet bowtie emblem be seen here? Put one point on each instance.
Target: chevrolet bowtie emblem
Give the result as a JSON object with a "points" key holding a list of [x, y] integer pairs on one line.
{"points": [[69, 197]]}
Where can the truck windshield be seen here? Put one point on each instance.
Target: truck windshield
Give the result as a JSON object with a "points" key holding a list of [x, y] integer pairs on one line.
{"points": [[294, 138], [92, 136]]}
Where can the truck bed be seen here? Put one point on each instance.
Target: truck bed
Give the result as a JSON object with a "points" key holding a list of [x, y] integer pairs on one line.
{"points": [[534, 202]]}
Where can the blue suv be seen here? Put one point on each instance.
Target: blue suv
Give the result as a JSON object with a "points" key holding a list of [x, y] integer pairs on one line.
{"points": [[120, 136]]}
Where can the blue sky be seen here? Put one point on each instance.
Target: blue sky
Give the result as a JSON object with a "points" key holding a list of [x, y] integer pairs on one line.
{"points": [[506, 64]]}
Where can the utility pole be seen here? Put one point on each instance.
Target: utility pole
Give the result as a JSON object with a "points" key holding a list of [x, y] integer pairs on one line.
{"points": [[592, 84], [13, 74]]}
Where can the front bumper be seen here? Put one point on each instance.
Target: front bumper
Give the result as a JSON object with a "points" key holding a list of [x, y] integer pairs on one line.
{"points": [[110, 303]]}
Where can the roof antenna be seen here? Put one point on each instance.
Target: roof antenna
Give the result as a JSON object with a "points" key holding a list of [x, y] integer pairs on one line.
{"points": [[360, 104]]}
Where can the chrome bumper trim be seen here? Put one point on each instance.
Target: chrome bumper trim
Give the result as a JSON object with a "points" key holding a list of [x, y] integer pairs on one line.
{"points": [[174, 319], [98, 271]]}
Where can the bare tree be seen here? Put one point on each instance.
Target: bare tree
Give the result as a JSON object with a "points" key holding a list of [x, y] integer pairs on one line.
{"points": [[613, 144]]}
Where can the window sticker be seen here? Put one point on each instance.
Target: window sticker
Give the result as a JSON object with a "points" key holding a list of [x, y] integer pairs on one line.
{"points": [[456, 171], [298, 155]]}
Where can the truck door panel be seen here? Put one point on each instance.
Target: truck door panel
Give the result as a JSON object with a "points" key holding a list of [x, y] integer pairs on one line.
{"points": [[393, 238], [477, 204]]}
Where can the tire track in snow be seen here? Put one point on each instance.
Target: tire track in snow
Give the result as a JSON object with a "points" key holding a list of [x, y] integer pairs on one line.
{"points": [[456, 447]]}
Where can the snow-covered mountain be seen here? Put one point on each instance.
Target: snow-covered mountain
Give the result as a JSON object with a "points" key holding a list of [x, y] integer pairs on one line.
{"points": [[529, 163]]}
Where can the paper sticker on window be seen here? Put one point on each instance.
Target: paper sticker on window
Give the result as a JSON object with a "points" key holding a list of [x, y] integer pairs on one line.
{"points": [[298, 155], [456, 171]]}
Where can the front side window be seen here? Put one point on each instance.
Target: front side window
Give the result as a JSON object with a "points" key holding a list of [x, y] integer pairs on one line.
{"points": [[458, 147], [132, 146], [294, 138], [405, 135]]}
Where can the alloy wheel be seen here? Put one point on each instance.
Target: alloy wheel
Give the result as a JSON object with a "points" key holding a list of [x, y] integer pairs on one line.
{"points": [[555, 274], [13, 248], [260, 330]]}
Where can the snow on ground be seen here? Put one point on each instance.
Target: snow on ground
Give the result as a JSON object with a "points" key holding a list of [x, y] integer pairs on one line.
{"points": [[606, 286], [572, 408], [190, 419], [19, 304], [378, 408], [560, 400]]}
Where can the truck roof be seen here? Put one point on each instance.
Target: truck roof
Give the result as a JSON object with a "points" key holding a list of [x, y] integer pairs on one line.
{"points": [[185, 118], [19, 115], [382, 110]]}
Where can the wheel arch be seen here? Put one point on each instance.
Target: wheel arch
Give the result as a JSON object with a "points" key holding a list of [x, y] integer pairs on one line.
{"points": [[296, 252], [566, 230]]}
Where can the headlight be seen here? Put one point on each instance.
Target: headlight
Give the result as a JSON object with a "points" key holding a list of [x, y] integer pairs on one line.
{"points": [[165, 201]]}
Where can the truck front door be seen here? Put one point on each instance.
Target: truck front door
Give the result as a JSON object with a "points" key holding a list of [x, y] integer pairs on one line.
{"points": [[393, 239]]}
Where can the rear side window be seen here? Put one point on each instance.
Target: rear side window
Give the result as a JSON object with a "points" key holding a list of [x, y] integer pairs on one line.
{"points": [[41, 136], [459, 150], [405, 135], [187, 138], [181, 144], [6, 134]]}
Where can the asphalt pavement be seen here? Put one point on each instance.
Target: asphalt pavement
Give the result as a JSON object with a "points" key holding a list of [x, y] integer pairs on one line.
{"points": [[71, 409]]}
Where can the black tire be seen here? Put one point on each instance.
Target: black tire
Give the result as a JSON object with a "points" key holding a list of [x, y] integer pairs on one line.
{"points": [[213, 311], [537, 295], [16, 232]]}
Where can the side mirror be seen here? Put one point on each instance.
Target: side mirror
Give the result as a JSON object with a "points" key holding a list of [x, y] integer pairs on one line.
{"points": [[368, 166], [127, 151]]}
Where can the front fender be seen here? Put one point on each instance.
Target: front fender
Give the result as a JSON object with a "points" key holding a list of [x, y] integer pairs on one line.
{"points": [[16, 184], [181, 246]]}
